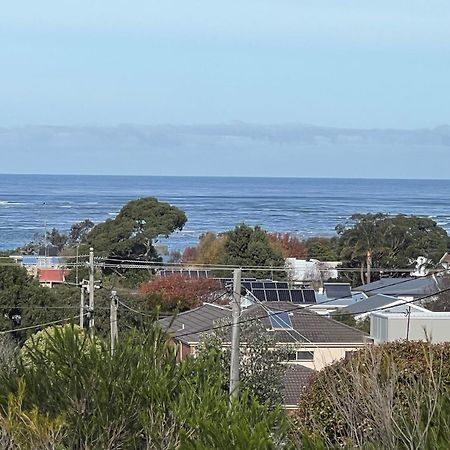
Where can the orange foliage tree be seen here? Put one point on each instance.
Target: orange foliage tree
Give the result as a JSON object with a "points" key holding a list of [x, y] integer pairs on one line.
{"points": [[179, 292], [288, 245]]}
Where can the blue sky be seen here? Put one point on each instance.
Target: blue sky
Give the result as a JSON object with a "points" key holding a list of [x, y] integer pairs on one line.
{"points": [[348, 64]]}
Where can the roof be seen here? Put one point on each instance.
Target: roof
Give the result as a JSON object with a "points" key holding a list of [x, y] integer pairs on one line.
{"points": [[307, 326], [189, 325], [52, 275], [295, 380], [374, 302], [445, 258], [339, 302], [397, 287]]}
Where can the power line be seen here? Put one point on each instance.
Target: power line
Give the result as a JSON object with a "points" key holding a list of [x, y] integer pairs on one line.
{"points": [[39, 325]]}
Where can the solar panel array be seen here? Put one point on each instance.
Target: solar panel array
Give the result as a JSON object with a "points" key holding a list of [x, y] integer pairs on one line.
{"points": [[188, 273], [337, 290], [278, 291]]}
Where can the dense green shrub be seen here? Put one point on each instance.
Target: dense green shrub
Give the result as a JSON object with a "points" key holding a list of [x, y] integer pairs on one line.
{"points": [[76, 395]]}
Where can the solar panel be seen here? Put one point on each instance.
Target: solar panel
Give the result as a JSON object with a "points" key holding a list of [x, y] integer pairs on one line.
{"points": [[282, 285], [297, 296], [284, 295], [271, 295], [247, 285], [270, 285], [257, 285], [280, 320], [337, 290], [309, 295], [259, 294]]}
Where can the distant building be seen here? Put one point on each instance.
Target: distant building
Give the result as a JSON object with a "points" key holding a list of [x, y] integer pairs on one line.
{"points": [[445, 261], [420, 326], [49, 277], [387, 304], [307, 270], [408, 288]]}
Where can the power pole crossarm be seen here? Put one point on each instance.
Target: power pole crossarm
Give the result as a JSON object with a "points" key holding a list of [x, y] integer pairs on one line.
{"points": [[235, 336]]}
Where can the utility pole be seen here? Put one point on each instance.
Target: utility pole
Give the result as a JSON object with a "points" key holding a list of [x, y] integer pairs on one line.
{"points": [[91, 291], [369, 265], [113, 320], [408, 322], [235, 336], [83, 290]]}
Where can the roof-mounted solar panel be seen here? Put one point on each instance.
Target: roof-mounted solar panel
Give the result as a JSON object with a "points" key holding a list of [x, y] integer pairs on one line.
{"points": [[337, 290], [297, 296], [280, 320], [309, 295], [271, 295]]}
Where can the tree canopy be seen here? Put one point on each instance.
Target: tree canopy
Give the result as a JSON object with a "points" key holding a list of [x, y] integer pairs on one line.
{"points": [[390, 241], [248, 246], [132, 233]]}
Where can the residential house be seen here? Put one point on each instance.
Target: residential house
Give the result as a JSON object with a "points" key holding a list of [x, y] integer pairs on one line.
{"points": [[314, 341], [311, 270]]}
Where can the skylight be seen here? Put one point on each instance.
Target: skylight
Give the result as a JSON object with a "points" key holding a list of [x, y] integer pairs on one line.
{"points": [[280, 320]]}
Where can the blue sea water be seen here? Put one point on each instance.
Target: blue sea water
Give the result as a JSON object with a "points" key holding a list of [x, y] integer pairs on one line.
{"points": [[300, 205]]}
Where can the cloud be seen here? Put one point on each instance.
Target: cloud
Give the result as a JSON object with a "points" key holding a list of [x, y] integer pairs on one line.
{"points": [[238, 149]]}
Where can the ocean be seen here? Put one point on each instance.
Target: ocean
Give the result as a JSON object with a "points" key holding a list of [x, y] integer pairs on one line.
{"points": [[304, 206]]}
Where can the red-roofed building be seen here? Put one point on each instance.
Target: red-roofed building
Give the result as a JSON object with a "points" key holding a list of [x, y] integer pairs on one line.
{"points": [[48, 277]]}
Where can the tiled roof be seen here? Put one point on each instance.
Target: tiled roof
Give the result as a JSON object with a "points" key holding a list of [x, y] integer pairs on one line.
{"points": [[189, 325], [295, 380], [307, 326], [52, 275]]}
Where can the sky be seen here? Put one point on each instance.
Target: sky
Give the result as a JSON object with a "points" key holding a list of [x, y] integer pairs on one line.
{"points": [[352, 64]]}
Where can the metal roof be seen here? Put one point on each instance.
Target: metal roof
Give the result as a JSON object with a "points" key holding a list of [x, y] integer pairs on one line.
{"points": [[401, 287]]}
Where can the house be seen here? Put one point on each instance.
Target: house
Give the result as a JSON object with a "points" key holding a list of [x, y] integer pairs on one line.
{"points": [[335, 296], [49, 277], [421, 326], [314, 341], [386, 303], [408, 288], [304, 270]]}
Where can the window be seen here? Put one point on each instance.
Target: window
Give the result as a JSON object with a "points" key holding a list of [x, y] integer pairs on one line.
{"points": [[280, 320], [301, 355]]}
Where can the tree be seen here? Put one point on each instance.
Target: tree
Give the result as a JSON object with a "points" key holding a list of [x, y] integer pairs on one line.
{"points": [[133, 232], [379, 240], [179, 292], [247, 246], [261, 360], [211, 248], [287, 244], [321, 248], [79, 230], [24, 302]]}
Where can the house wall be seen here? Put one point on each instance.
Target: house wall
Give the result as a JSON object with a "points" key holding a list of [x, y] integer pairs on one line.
{"points": [[388, 328], [324, 355]]}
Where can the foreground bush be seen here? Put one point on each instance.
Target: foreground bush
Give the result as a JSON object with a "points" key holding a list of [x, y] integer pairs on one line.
{"points": [[392, 396], [76, 395]]}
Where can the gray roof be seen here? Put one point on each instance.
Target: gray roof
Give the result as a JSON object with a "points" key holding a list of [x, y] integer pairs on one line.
{"points": [[189, 325], [307, 326], [295, 381], [401, 287], [323, 299], [374, 302]]}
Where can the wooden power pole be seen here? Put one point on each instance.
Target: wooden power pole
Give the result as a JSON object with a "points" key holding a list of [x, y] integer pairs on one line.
{"points": [[235, 336], [113, 320], [91, 292]]}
